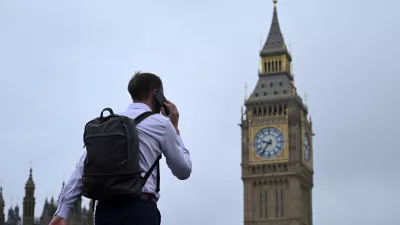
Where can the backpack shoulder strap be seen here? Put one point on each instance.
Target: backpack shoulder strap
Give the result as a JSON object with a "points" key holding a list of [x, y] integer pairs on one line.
{"points": [[137, 120], [143, 116], [148, 173]]}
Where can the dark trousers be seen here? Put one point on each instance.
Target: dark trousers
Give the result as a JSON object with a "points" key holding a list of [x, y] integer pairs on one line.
{"points": [[135, 212]]}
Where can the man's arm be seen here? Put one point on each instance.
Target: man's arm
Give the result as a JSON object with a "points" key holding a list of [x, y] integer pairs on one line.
{"points": [[71, 191], [175, 152]]}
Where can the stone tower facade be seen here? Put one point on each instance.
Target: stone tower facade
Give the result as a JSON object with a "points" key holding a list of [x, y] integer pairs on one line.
{"points": [[277, 159], [28, 214], [2, 204], [79, 215]]}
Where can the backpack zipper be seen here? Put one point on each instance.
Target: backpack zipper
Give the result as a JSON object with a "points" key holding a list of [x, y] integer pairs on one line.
{"points": [[101, 135], [128, 142]]}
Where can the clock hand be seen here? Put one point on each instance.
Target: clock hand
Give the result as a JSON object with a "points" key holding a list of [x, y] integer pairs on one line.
{"points": [[265, 148], [267, 143]]}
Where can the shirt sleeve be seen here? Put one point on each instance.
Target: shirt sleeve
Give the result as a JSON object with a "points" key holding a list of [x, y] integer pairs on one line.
{"points": [[71, 191], [176, 154]]}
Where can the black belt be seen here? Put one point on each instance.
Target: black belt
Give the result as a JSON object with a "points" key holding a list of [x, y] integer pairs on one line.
{"points": [[148, 196], [128, 200]]}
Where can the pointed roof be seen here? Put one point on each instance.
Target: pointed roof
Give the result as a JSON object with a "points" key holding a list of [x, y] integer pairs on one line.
{"points": [[1, 197], [275, 44], [62, 188], [45, 207], [29, 183], [16, 209]]}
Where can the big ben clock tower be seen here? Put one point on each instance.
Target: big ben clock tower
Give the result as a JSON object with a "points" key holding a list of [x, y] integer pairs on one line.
{"points": [[277, 152]]}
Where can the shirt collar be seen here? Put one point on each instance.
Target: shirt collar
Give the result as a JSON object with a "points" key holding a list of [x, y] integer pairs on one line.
{"points": [[141, 106]]}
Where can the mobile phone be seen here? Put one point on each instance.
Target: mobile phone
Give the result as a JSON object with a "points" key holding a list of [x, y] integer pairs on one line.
{"points": [[160, 98]]}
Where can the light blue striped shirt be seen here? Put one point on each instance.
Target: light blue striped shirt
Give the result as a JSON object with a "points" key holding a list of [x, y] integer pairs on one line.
{"points": [[156, 135]]}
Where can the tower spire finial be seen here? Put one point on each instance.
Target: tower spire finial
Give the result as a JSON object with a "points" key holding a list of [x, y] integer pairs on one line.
{"points": [[245, 91], [275, 43], [30, 170]]}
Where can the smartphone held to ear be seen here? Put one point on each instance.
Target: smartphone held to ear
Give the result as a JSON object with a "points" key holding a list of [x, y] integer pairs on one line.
{"points": [[160, 98]]}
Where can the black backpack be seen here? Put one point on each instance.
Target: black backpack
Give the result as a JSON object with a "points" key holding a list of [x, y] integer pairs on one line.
{"points": [[111, 169]]}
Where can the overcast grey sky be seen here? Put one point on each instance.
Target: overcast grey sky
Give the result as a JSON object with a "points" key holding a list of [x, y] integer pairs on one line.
{"points": [[61, 62]]}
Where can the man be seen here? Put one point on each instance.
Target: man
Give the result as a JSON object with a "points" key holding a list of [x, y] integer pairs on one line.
{"points": [[157, 134]]}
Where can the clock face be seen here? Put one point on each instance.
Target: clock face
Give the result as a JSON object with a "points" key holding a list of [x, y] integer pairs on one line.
{"points": [[268, 142], [306, 147]]}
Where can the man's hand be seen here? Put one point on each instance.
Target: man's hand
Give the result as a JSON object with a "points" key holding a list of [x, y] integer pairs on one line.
{"points": [[173, 114], [58, 221]]}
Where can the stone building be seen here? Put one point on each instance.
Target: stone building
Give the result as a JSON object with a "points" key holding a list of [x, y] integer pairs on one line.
{"points": [[78, 216], [277, 151]]}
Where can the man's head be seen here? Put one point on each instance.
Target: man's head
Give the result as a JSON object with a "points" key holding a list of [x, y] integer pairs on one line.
{"points": [[142, 88]]}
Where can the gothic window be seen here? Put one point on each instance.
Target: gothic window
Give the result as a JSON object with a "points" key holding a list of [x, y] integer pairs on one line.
{"points": [[262, 85], [276, 203], [261, 205], [272, 66], [266, 203], [282, 202], [255, 200]]}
